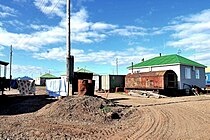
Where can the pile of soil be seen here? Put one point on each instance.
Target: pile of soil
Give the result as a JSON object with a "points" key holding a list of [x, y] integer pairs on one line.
{"points": [[73, 117], [87, 109]]}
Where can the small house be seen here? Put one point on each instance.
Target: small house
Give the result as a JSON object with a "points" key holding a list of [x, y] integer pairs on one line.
{"points": [[188, 72], [42, 79]]}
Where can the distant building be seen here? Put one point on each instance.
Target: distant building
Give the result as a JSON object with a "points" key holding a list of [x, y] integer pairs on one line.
{"points": [[188, 72], [42, 79], [207, 70], [86, 74], [208, 79]]}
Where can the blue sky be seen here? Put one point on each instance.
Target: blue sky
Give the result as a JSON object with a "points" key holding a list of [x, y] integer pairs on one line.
{"points": [[101, 32]]}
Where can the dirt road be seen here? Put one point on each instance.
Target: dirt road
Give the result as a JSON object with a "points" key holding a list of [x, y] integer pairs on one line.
{"points": [[89, 118]]}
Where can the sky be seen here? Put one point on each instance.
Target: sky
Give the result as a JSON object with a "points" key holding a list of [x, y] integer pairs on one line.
{"points": [[106, 35]]}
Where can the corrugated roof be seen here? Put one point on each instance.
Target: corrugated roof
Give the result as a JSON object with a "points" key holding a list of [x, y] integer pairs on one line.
{"points": [[48, 75], [167, 60], [82, 70], [86, 71]]}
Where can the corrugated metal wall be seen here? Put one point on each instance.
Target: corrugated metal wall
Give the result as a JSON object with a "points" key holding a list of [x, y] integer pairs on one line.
{"points": [[110, 82]]}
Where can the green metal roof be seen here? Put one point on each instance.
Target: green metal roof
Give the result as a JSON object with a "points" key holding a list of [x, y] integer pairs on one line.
{"points": [[167, 60], [82, 70], [47, 75], [86, 71]]}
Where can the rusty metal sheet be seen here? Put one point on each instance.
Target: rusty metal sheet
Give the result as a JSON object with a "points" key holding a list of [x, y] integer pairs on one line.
{"points": [[82, 87], [86, 87], [146, 80]]}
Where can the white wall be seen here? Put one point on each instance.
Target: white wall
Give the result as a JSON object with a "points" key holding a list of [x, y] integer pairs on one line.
{"points": [[105, 82], [37, 81], [96, 78]]}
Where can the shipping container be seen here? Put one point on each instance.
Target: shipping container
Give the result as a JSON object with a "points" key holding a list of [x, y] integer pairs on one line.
{"points": [[110, 82]]}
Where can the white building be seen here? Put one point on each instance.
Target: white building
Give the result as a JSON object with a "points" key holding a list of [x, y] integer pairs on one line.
{"points": [[188, 72]]}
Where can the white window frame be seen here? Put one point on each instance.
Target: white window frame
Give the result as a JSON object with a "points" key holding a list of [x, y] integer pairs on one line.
{"points": [[187, 73], [197, 74]]}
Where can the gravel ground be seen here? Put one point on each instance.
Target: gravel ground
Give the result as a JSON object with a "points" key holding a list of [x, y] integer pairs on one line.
{"points": [[117, 117]]}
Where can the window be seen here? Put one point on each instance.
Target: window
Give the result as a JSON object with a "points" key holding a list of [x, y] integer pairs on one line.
{"points": [[187, 73], [197, 74]]}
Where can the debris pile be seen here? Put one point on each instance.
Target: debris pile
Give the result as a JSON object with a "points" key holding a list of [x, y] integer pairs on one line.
{"points": [[147, 94], [83, 109]]}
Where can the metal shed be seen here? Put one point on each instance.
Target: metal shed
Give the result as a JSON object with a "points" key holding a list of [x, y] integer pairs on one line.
{"points": [[110, 82]]}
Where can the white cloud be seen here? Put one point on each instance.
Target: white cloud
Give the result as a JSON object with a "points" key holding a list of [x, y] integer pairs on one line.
{"points": [[27, 70], [192, 33], [44, 35], [130, 31], [34, 41], [79, 21], [82, 30], [102, 26], [6, 11], [52, 54], [51, 7], [99, 57], [203, 16], [88, 32], [40, 27]]}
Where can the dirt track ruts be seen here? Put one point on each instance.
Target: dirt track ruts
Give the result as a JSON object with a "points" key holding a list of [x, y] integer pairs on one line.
{"points": [[185, 119], [169, 118]]}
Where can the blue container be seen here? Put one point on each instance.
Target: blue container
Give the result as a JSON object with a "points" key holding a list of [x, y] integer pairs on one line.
{"points": [[208, 79]]}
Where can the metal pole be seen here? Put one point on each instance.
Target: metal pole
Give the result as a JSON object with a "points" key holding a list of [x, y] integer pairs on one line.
{"points": [[68, 48], [10, 69], [10, 72], [132, 67], [117, 65]]}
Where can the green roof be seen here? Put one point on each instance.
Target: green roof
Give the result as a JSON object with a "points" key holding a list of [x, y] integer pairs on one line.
{"points": [[167, 60], [86, 71], [82, 70], [47, 75]]}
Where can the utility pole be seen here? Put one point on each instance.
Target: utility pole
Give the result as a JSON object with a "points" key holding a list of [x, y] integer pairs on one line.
{"points": [[69, 58], [10, 70], [117, 65]]}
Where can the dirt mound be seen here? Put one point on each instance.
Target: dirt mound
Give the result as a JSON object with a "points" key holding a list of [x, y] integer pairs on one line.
{"points": [[86, 109]]}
